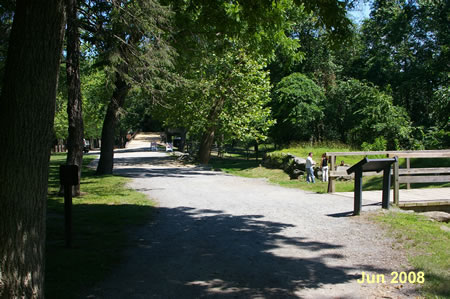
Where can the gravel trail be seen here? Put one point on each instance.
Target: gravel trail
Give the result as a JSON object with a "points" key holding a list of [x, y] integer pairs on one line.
{"points": [[222, 236]]}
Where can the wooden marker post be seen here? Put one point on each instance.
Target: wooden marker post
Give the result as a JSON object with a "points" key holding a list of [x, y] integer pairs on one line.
{"points": [[371, 165], [68, 176]]}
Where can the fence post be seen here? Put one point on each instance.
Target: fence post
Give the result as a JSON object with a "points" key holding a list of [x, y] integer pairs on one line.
{"points": [[408, 165], [331, 182], [396, 184]]}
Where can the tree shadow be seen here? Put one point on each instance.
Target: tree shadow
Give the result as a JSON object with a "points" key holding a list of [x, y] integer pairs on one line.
{"points": [[99, 236], [177, 172], [192, 253], [233, 163]]}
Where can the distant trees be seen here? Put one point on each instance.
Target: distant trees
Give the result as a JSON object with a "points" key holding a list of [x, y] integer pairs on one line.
{"points": [[387, 84], [358, 113], [297, 105], [406, 50], [352, 112]]}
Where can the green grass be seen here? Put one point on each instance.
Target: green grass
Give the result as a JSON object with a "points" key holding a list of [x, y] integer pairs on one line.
{"points": [[101, 218], [427, 246], [303, 149]]}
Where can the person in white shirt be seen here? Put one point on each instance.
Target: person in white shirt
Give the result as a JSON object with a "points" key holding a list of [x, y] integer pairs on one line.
{"points": [[309, 169]]}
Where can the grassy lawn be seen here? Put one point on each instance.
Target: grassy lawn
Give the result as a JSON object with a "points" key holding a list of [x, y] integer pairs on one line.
{"points": [[302, 150], [427, 246], [101, 218]]}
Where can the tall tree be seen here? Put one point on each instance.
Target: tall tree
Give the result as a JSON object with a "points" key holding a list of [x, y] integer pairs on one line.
{"points": [[407, 51], [256, 27], [358, 112], [75, 142], [297, 104], [227, 96], [131, 39], [27, 105]]}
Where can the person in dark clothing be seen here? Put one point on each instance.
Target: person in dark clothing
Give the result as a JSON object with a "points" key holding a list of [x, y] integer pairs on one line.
{"points": [[324, 166]]}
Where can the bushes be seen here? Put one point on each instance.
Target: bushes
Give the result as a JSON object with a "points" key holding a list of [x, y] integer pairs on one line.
{"points": [[352, 112], [297, 105], [358, 113]]}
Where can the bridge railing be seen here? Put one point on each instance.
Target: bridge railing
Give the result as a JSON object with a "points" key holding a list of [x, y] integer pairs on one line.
{"points": [[406, 175], [410, 175]]}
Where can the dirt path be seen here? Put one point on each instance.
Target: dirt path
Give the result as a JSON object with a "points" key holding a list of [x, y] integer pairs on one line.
{"points": [[217, 235]]}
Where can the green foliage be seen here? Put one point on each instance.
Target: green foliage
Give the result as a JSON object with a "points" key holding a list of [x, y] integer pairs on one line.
{"points": [[440, 107], [126, 41], [253, 27], [234, 79], [432, 138], [61, 123], [95, 95], [297, 104], [358, 112], [313, 58], [406, 47], [378, 145]]}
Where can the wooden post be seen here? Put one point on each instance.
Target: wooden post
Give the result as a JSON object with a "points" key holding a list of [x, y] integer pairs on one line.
{"points": [[68, 214], [408, 166], [358, 193], [386, 187], [68, 177], [396, 184]]}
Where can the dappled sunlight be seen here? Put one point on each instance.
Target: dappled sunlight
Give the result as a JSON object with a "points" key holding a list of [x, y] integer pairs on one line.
{"points": [[202, 252]]}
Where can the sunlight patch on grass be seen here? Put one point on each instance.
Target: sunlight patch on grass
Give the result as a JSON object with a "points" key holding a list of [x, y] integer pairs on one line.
{"points": [[427, 246]]}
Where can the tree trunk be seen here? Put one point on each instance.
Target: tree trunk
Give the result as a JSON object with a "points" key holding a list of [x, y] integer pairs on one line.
{"points": [[75, 142], [27, 108], [106, 162], [205, 145], [208, 136]]}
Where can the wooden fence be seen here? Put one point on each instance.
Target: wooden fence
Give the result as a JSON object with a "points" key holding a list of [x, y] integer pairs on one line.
{"points": [[410, 175], [406, 175]]}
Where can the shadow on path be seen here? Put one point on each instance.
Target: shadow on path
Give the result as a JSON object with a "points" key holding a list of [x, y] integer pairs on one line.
{"points": [[164, 172], [191, 253]]}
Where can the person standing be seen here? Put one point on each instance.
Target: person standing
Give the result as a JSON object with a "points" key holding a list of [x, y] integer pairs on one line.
{"points": [[309, 169], [324, 166]]}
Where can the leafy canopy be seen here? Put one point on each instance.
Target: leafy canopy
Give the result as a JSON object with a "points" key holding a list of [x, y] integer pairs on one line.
{"points": [[297, 104]]}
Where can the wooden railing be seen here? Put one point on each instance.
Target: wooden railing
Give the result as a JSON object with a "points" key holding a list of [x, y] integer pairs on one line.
{"points": [[410, 175], [406, 175]]}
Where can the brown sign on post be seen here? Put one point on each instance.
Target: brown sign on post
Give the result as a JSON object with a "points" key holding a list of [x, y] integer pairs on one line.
{"points": [[68, 177], [377, 165]]}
